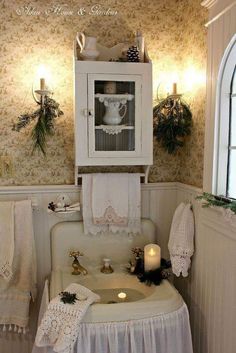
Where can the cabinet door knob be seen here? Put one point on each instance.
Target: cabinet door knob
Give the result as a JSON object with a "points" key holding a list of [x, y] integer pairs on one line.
{"points": [[90, 113]]}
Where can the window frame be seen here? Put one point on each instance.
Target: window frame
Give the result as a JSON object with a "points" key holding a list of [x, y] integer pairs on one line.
{"points": [[223, 111]]}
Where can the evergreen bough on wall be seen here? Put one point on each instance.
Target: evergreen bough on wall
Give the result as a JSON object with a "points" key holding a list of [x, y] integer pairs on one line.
{"points": [[45, 116], [217, 201], [172, 122]]}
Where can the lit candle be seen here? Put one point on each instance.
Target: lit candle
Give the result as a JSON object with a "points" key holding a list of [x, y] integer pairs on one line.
{"points": [[122, 295], [152, 257], [42, 84]]}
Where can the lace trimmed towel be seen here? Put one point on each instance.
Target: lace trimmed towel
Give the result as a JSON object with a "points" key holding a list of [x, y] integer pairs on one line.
{"points": [[111, 202], [60, 324], [110, 199], [7, 239], [181, 241], [16, 294]]}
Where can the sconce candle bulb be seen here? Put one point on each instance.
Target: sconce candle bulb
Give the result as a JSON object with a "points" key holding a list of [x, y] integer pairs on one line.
{"points": [[42, 84], [174, 88]]}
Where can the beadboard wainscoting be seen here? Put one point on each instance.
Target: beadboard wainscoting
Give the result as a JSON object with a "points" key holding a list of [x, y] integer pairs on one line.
{"points": [[158, 204], [208, 291]]}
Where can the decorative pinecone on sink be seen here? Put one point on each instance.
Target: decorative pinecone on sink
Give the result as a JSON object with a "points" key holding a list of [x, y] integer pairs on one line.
{"points": [[133, 54]]}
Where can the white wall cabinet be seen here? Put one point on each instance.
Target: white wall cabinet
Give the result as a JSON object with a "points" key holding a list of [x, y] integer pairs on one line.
{"points": [[113, 113]]}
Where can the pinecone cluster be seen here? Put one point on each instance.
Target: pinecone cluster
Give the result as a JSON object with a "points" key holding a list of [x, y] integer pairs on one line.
{"points": [[133, 54]]}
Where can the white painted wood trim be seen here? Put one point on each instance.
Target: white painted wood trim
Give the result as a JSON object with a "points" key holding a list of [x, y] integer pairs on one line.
{"points": [[222, 117], [37, 189], [188, 188], [208, 3], [220, 14], [47, 189], [219, 36]]}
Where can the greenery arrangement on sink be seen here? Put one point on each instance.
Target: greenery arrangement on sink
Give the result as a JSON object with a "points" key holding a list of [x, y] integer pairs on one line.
{"points": [[150, 277]]}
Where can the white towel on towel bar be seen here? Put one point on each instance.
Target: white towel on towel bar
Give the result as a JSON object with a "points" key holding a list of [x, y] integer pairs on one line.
{"points": [[181, 241], [111, 202], [6, 239], [15, 295]]}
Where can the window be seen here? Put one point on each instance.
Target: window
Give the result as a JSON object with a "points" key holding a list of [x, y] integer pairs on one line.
{"points": [[231, 170], [225, 151]]}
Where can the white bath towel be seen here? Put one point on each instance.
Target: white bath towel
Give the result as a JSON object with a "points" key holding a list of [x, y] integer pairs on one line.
{"points": [[60, 324], [181, 241], [6, 239], [16, 294], [111, 202]]}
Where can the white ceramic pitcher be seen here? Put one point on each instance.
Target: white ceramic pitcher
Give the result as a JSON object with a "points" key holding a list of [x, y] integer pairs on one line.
{"points": [[112, 115], [88, 46]]}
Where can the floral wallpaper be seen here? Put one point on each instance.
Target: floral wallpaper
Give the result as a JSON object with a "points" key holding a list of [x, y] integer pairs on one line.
{"points": [[42, 32]]}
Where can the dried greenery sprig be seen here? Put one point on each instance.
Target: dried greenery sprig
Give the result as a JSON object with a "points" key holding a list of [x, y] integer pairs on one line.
{"points": [[172, 122], [44, 126], [68, 298], [217, 201]]}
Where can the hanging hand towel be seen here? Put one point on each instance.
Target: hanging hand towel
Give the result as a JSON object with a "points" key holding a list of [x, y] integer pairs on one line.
{"points": [[111, 202], [15, 295], [134, 207], [6, 239], [60, 324], [89, 226], [181, 241]]}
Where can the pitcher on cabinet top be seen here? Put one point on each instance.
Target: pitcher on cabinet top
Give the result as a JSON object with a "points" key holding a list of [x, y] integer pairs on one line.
{"points": [[88, 47]]}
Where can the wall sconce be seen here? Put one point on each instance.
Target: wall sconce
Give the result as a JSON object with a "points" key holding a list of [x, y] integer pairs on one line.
{"points": [[44, 116], [172, 121]]}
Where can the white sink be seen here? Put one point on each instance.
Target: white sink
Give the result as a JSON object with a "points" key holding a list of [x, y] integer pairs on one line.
{"points": [[142, 301]]}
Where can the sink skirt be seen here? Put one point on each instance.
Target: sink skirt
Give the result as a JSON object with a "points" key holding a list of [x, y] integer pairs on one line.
{"points": [[164, 333]]}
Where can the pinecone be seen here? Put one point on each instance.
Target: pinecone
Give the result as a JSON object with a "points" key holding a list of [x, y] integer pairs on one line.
{"points": [[133, 54]]}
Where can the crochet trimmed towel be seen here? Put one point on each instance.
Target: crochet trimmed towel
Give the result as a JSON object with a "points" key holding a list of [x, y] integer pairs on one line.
{"points": [[111, 202], [60, 324], [181, 241], [7, 239], [16, 294]]}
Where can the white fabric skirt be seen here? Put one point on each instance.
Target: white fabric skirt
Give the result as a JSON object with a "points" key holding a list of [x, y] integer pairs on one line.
{"points": [[166, 333]]}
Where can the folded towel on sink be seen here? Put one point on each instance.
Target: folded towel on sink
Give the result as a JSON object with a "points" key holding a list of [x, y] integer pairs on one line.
{"points": [[60, 324]]}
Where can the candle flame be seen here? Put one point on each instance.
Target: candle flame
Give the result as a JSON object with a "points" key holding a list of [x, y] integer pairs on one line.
{"points": [[152, 252], [122, 295]]}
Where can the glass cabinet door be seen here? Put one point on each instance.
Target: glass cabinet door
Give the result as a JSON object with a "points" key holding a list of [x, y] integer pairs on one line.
{"points": [[114, 104]]}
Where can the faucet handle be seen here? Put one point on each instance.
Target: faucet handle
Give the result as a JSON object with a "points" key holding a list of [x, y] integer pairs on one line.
{"points": [[75, 254], [106, 268]]}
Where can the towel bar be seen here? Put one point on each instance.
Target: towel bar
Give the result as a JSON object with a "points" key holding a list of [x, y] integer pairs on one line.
{"points": [[143, 176]]}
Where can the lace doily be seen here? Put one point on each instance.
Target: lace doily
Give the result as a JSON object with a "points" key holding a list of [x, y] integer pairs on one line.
{"points": [[112, 129]]}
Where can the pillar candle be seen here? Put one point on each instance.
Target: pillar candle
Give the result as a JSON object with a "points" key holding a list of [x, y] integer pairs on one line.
{"points": [[152, 257]]}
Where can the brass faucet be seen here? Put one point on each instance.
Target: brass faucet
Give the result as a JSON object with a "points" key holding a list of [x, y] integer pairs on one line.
{"points": [[77, 268], [106, 268]]}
